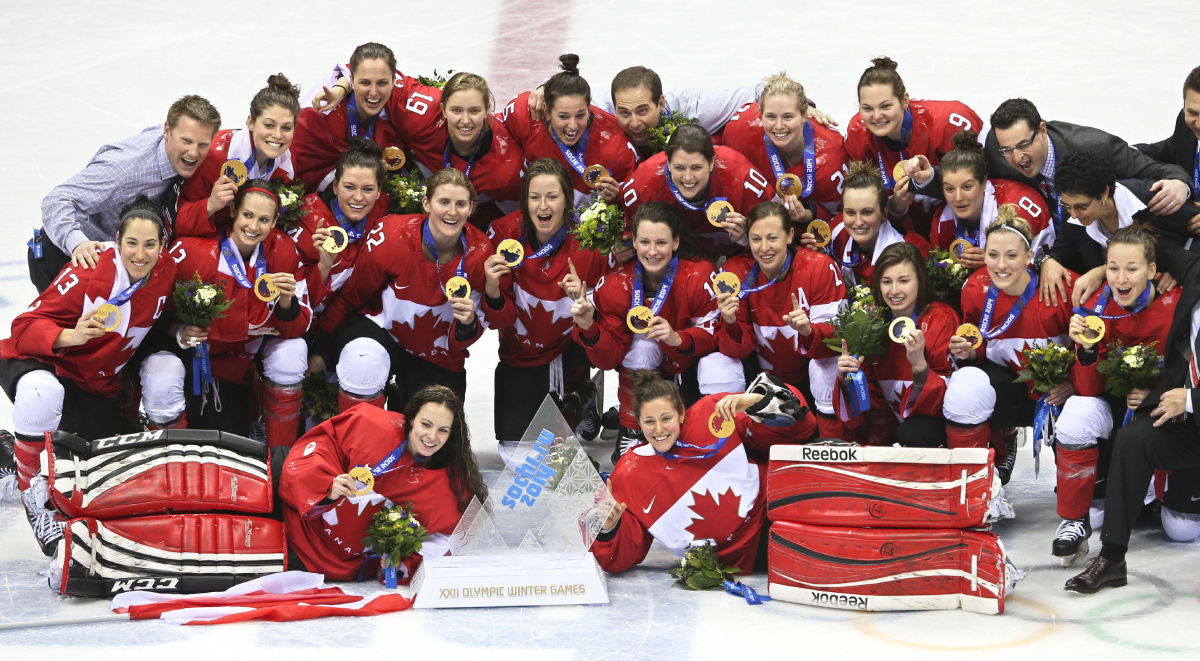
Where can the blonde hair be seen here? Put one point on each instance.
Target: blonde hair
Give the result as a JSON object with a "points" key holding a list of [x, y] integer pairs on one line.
{"points": [[1009, 220], [781, 85], [463, 81], [448, 177]]}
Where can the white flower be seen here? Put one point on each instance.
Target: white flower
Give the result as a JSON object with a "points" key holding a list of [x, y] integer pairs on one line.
{"points": [[288, 199], [206, 294], [1132, 360]]}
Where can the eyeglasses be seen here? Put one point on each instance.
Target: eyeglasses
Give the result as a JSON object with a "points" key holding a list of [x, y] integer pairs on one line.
{"points": [[1022, 147], [1078, 208]]}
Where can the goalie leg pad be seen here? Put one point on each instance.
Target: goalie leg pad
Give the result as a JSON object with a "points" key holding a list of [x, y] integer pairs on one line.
{"points": [[883, 570], [968, 436], [184, 553], [281, 412], [880, 487], [183, 470], [347, 401]]}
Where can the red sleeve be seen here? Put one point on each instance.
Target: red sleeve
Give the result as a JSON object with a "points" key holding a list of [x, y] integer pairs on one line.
{"points": [[698, 339], [284, 259], [608, 340], [413, 108], [517, 120], [631, 541], [639, 187], [370, 276], [314, 149], [825, 295], [938, 325], [308, 475], [56, 309], [952, 117], [858, 140], [754, 189]]}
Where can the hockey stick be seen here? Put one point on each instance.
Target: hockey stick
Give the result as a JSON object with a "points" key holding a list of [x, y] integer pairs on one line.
{"points": [[64, 622]]}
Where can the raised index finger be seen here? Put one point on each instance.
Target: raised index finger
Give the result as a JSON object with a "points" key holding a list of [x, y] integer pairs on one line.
{"points": [[795, 303], [572, 265]]}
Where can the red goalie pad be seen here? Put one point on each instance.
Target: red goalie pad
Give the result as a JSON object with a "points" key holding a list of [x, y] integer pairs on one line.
{"points": [[883, 570], [880, 487], [180, 470], [169, 553]]}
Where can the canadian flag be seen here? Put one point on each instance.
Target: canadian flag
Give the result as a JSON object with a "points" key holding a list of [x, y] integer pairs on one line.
{"points": [[283, 597]]}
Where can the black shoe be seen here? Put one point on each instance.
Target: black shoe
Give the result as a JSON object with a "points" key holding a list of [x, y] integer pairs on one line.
{"points": [[1071, 540], [1004, 469], [587, 415], [627, 439], [1100, 573], [610, 424], [46, 529]]}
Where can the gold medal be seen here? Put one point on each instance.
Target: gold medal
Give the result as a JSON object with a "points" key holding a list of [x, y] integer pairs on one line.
{"points": [[265, 289], [820, 230], [717, 211], [970, 333], [362, 475], [638, 319], [337, 241], [900, 328], [1094, 331], [958, 247], [898, 171], [720, 427], [786, 184], [458, 287], [393, 158], [594, 173], [727, 283], [235, 170], [512, 251], [109, 316]]}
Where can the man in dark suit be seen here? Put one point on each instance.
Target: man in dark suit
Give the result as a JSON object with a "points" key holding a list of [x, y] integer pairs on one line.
{"points": [[1157, 438], [1180, 148]]}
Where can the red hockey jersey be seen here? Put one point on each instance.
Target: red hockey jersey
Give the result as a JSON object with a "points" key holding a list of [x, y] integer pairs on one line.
{"points": [[716, 498], [1030, 205], [732, 178], [744, 133], [1149, 325], [316, 215], [607, 143], [1036, 325], [402, 291], [933, 127], [542, 329], [328, 537], [862, 266], [817, 284], [93, 366], [235, 338]]}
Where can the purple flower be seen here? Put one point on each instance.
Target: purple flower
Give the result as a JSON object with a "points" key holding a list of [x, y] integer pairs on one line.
{"points": [[412, 524]]}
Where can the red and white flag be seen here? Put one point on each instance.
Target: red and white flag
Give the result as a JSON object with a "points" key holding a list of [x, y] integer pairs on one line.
{"points": [[283, 597]]}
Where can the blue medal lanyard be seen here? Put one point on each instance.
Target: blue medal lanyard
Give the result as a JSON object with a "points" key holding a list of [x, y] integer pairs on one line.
{"points": [[752, 277], [352, 120], [810, 159], [234, 259], [427, 239], [708, 450], [127, 293], [448, 153], [574, 155], [679, 196], [353, 233], [905, 135], [989, 307], [1097, 310], [550, 246], [663, 289]]}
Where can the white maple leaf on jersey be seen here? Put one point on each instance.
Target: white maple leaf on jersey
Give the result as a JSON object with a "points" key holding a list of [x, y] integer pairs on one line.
{"points": [[559, 309], [1009, 349], [406, 312], [90, 304]]}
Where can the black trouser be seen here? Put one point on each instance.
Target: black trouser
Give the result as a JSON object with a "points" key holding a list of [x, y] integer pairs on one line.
{"points": [[922, 431], [519, 391], [87, 415], [1014, 408], [412, 373], [43, 270], [1141, 448]]}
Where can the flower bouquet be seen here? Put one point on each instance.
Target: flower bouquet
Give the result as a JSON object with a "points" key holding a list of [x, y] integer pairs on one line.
{"points": [[394, 534], [657, 137], [946, 276], [407, 189], [291, 199], [436, 80], [1130, 368], [1047, 366], [318, 398], [199, 303], [599, 225], [860, 324], [701, 569]]}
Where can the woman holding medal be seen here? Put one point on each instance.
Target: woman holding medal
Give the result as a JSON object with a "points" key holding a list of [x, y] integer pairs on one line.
{"points": [[656, 312], [889, 129], [861, 231], [666, 489], [262, 151], [256, 268], [61, 364], [581, 136], [422, 292], [548, 271], [1127, 309], [982, 402], [780, 302], [712, 186], [909, 379], [808, 159], [355, 463]]}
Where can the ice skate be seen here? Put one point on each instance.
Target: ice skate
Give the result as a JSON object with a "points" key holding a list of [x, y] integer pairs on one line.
{"points": [[1070, 542]]}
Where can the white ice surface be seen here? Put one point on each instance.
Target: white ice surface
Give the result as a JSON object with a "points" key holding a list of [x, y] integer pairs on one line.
{"points": [[81, 74]]}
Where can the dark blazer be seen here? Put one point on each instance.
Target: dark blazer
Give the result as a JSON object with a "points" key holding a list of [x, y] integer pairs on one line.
{"points": [[1185, 267], [1125, 161], [1076, 250], [1179, 149]]}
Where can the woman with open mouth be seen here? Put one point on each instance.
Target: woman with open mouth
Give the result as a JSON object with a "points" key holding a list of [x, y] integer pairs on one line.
{"points": [[667, 489], [423, 290], [61, 364], [862, 230], [654, 313], [1134, 313], [692, 175], [908, 382], [783, 309], [264, 148], [536, 352], [422, 457], [983, 405], [575, 133], [889, 128], [256, 267], [779, 139]]}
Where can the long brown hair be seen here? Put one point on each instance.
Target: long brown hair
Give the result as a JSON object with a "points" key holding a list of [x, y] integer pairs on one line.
{"points": [[894, 255], [552, 168], [456, 455]]}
